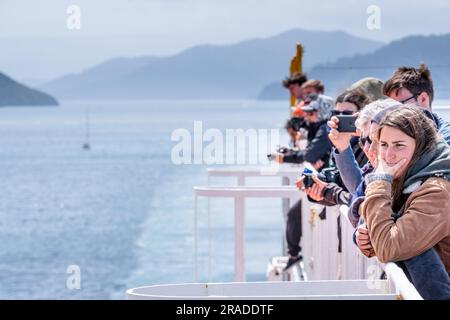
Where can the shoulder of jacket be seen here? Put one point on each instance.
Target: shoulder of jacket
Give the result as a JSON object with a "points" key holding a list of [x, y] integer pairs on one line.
{"points": [[435, 184]]}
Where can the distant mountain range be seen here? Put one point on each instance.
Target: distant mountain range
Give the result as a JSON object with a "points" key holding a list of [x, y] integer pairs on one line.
{"points": [[410, 51], [208, 71], [12, 93]]}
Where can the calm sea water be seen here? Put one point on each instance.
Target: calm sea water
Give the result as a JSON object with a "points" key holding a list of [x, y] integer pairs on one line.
{"points": [[122, 212]]}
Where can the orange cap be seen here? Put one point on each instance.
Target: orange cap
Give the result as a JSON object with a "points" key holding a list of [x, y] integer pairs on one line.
{"points": [[298, 112]]}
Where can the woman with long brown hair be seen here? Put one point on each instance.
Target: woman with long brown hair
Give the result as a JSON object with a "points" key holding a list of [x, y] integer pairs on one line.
{"points": [[407, 203]]}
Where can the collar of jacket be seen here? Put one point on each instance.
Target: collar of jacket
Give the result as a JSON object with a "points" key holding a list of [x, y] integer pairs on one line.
{"points": [[435, 163], [432, 116]]}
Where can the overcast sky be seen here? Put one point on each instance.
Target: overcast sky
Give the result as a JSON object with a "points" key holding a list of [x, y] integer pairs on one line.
{"points": [[37, 46], [176, 24]]}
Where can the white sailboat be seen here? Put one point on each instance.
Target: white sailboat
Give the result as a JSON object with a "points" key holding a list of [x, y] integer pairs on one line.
{"points": [[86, 144]]}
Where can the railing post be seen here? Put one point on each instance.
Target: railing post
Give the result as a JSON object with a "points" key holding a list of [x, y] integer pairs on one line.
{"points": [[239, 238], [209, 237], [285, 206], [241, 180], [195, 238], [286, 203]]}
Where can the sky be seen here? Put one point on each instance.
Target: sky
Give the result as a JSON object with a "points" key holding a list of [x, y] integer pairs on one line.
{"points": [[169, 26], [176, 24]]}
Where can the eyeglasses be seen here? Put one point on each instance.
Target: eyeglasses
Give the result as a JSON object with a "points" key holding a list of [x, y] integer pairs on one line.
{"points": [[364, 140], [412, 97], [345, 112]]}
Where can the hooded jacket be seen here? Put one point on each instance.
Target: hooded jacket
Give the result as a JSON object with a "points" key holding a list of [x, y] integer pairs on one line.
{"points": [[423, 222]]}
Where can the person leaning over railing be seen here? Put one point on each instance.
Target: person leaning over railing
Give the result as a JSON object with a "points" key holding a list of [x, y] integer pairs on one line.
{"points": [[361, 235], [407, 200], [367, 123]]}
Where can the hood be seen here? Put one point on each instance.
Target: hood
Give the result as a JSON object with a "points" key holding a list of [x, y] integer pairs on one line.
{"points": [[435, 163]]}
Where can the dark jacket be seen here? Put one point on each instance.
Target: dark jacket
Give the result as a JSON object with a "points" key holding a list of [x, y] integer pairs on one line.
{"points": [[318, 147], [442, 125]]}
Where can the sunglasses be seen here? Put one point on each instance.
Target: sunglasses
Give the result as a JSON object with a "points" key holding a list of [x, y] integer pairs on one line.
{"points": [[364, 140], [338, 113], [412, 97]]}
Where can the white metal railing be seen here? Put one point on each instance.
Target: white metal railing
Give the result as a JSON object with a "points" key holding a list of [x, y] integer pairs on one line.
{"points": [[403, 287], [319, 240], [287, 173], [239, 194], [331, 274], [302, 290]]}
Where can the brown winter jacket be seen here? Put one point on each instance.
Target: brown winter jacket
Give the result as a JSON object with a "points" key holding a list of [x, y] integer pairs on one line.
{"points": [[425, 222]]}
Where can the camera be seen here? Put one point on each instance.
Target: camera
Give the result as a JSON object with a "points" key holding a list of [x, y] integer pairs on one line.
{"points": [[284, 150], [308, 180], [298, 123], [346, 123], [330, 175], [281, 150]]}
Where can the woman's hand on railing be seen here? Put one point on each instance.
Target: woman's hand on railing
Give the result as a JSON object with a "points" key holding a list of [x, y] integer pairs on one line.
{"points": [[363, 241]]}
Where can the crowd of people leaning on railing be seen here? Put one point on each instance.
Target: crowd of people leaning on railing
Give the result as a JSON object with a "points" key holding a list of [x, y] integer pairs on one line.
{"points": [[380, 150]]}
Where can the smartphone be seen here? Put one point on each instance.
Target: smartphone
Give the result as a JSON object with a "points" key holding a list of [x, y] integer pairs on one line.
{"points": [[346, 123]]}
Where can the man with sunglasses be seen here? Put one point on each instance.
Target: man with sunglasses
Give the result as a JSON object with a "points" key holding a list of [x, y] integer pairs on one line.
{"points": [[410, 85]]}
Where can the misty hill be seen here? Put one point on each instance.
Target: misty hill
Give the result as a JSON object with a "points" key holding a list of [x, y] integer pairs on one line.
{"points": [[410, 51], [38, 59], [12, 93], [114, 68], [209, 71]]}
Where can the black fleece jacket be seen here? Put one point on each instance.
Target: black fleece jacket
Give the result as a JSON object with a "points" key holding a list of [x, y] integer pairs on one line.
{"points": [[318, 148]]}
